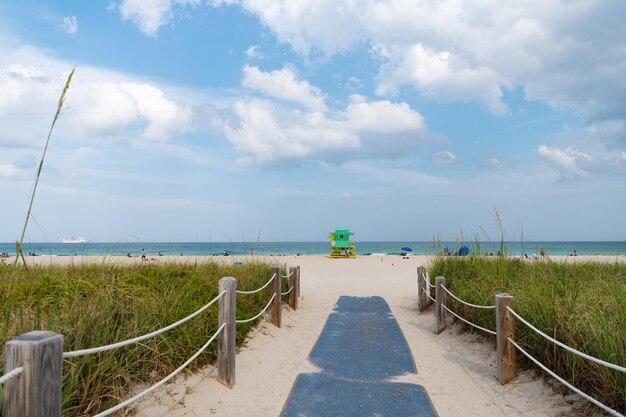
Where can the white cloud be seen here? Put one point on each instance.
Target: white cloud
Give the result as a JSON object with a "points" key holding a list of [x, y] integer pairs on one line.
{"points": [[70, 24], [332, 25], [10, 171], [564, 53], [266, 133], [100, 103], [354, 84], [445, 157], [565, 160], [440, 75], [164, 117], [150, 15], [253, 52], [283, 84]]}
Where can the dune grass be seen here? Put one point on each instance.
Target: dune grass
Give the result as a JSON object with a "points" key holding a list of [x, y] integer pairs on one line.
{"points": [[580, 304], [95, 305]]}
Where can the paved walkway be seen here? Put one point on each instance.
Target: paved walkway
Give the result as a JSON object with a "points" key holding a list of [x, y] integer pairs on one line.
{"points": [[360, 350]]}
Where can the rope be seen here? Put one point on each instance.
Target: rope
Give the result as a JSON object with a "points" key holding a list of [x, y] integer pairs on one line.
{"points": [[285, 293], [567, 384], [287, 276], [468, 322], [13, 373], [564, 346], [465, 302], [83, 352], [164, 380], [433, 300], [258, 315], [428, 282], [259, 289]]}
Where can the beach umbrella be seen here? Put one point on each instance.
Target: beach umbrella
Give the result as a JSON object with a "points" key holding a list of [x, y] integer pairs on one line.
{"points": [[406, 249]]}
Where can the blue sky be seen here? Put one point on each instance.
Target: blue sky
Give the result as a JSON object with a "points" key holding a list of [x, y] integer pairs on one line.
{"points": [[239, 119]]}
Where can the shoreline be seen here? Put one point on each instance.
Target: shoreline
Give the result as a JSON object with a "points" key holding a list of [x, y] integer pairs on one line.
{"points": [[166, 259]]}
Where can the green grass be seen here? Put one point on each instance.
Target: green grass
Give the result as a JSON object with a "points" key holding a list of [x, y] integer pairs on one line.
{"points": [[582, 305], [95, 305]]}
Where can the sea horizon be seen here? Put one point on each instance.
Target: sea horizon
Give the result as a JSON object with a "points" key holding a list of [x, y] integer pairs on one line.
{"points": [[363, 248]]}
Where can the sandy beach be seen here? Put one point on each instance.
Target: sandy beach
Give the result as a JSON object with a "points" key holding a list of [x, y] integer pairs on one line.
{"points": [[457, 367]]}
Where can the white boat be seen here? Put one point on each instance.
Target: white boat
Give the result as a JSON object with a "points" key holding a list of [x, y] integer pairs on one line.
{"points": [[72, 239]]}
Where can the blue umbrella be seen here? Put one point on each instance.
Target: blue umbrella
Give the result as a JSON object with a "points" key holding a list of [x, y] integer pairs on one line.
{"points": [[406, 249]]}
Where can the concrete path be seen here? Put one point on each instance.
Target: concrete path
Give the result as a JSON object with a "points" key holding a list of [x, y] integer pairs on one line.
{"points": [[360, 352]]}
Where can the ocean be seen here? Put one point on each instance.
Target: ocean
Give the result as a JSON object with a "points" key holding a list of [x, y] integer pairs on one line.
{"points": [[308, 248]]}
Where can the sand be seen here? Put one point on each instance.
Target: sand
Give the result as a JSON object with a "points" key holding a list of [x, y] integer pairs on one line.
{"points": [[457, 368]]}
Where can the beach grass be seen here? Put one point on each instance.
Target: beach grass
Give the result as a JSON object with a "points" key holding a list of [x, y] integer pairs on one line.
{"points": [[95, 305], [581, 304]]}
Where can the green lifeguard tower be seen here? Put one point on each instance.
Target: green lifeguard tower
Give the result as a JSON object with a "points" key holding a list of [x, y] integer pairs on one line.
{"points": [[340, 244]]}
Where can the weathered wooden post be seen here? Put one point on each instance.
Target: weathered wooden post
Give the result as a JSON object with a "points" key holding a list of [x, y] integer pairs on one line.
{"points": [[440, 300], [277, 305], [36, 392], [298, 282], [429, 300], [226, 341], [293, 297], [505, 328], [422, 288]]}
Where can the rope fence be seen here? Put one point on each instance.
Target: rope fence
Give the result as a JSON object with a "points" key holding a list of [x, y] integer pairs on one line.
{"points": [[258, 289], [465, 302], [469, 322], [82, 352], [258, 315], [564, 382], [164, 380], [43, 382], [564, 346], [15, 372], [505, 333]]}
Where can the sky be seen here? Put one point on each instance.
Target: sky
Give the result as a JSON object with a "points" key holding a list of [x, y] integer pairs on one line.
{"points": [[281, 120]]}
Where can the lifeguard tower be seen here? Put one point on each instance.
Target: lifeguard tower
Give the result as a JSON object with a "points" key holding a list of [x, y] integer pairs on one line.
{"points": [[340, 244]]}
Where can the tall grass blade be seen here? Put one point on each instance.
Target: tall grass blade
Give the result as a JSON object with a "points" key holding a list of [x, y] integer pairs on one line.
{"points": [[18, 244]]}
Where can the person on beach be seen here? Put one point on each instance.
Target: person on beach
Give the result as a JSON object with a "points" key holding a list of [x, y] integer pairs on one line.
{"points": [[143, 254], [159, 254], [542, 252]]}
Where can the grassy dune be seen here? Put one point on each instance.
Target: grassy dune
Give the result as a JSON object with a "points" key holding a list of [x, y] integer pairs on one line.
{"points": [[94, 305], [583, 305]]}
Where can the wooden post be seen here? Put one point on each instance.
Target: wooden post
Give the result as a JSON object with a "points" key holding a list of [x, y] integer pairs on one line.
{"points": [[36, 392], [277, 305], [422, 299], [505, 328], [441, 299], [226, 341], [429, 301], [293, 273], [298, 282]]}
